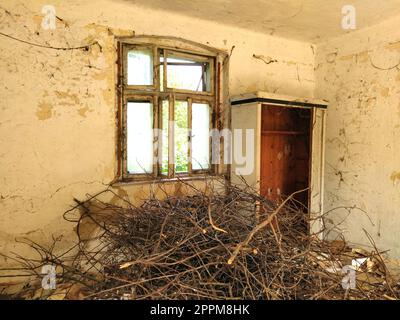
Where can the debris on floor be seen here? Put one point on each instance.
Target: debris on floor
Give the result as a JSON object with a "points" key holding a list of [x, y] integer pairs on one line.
{"points": [[228, 244]]}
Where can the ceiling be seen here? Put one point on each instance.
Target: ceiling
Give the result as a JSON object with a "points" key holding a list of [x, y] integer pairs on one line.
{"points": [[305, 20]]}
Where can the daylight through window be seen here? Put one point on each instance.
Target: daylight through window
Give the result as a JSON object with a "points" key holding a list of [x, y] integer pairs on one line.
{"points": [[168, 99]]}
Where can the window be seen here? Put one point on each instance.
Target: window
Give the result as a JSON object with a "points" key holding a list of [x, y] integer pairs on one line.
{"points": [[167, 111]]}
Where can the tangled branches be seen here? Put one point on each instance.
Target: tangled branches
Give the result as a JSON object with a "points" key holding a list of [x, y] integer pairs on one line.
{"points": [[232, 244]]}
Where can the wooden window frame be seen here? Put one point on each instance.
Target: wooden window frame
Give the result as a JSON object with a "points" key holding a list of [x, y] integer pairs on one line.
{"points": [[194, 57], [153, 94]]}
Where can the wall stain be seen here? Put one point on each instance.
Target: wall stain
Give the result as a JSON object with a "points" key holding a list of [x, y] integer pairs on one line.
{"points": [[385, 92], [395, 177], [370, 102], [121, 194], [348, 57], [362, 57], [44, 111], [393, 46], [68, 98], [82, 111], [106, 57]]}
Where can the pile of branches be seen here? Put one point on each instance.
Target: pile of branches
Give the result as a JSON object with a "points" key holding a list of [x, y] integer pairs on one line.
{"points": [[231, 244]]}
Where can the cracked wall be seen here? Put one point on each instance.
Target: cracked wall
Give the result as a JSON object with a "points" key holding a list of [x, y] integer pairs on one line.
{"points": [[57, 107], [360, 75]]}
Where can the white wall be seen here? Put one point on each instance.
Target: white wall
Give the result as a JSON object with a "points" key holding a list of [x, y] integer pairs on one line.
{"points": [[360, 75]]}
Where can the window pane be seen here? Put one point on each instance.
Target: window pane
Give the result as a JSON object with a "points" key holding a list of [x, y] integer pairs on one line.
{"points": [[181, 136], [165, 135], [187, 74], [200, 136], [140, 67], [140, 137]]}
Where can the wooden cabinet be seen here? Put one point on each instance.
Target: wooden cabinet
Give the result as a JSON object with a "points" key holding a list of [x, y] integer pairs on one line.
{"points": [[288, 147]]}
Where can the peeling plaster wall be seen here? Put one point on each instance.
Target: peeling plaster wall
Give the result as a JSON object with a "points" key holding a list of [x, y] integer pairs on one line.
{"points": [[57, 107], [360, 75]]}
